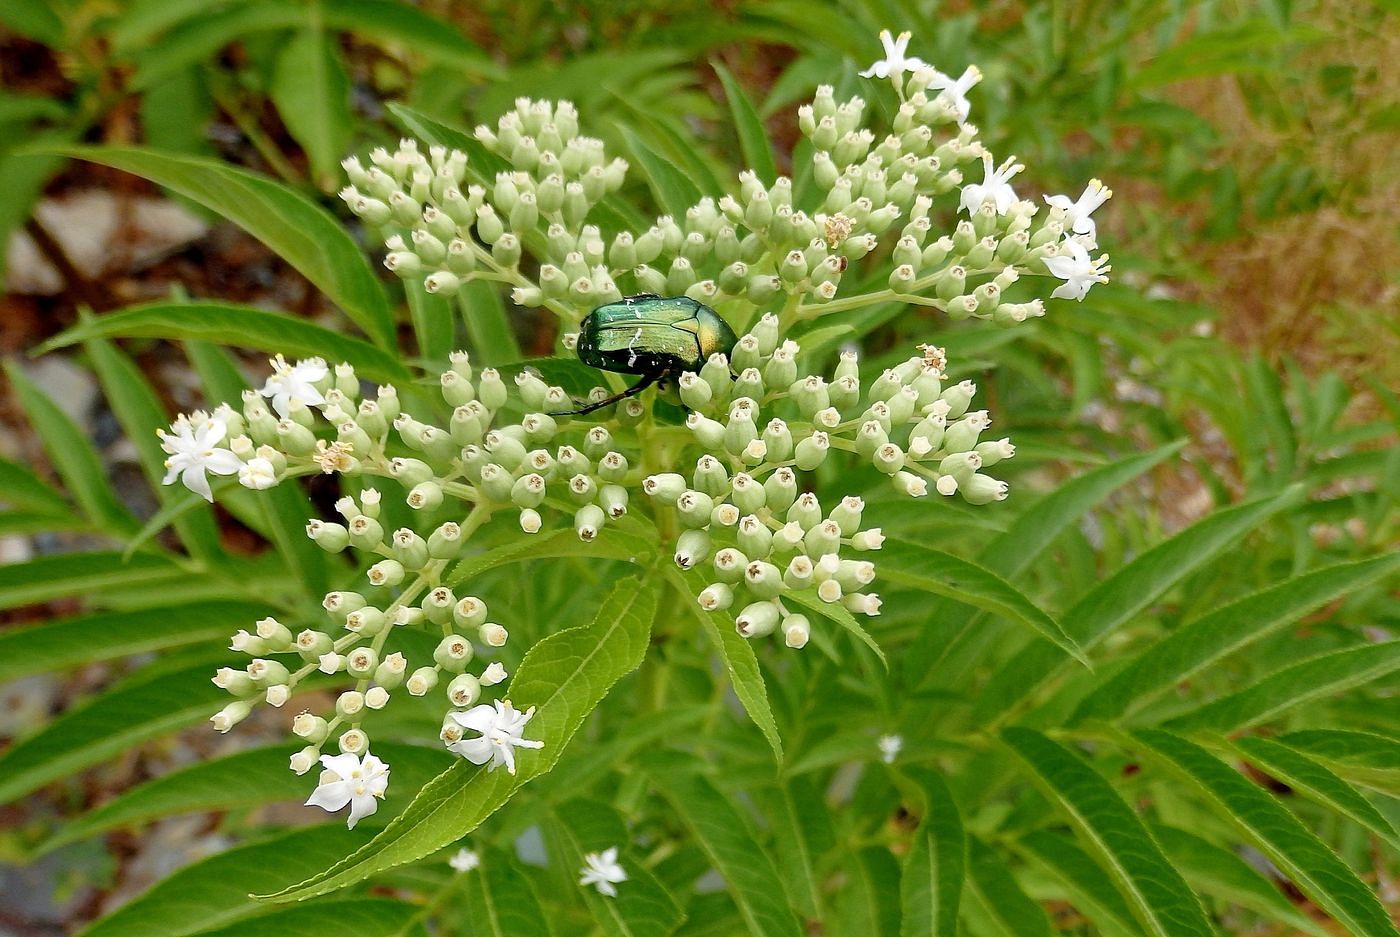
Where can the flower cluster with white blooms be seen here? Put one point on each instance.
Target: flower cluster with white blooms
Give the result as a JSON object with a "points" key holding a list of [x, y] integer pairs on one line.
{"points": [[728, 493]]}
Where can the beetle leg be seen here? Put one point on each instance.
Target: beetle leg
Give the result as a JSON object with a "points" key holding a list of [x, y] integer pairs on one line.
{"points": [[646, 381]]}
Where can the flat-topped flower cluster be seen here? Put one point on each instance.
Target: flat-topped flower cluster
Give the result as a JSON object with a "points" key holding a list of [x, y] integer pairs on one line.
{"points": [[728, 492]]}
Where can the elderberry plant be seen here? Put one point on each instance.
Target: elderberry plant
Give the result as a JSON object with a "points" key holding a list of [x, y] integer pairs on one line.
{"points": [[727, 492]]}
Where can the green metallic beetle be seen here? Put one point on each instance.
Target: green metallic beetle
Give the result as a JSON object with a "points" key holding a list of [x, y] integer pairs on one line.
{"points": [[654, 336]]}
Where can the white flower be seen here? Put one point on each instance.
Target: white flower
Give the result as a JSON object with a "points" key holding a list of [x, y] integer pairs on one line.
{"points": [[601, 869], [894, 63], [192, 444], [257, 474], [996, 186], [1077, 213], [1077, 270], [889, 746], [349, 780], [493, 674], [297, 382], [464, 860], [501, 727], [956, 89]]}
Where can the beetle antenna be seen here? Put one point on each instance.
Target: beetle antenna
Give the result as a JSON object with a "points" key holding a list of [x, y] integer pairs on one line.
{"points": [[646, 381]]}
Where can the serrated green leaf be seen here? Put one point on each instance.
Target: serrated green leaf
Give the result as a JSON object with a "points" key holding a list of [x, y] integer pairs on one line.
{"points": [[803, 833], [151, 703], [362, 917], [920, 567], [753, 136], [72, 456], [1295, 849], [1318, 783], [70, 642], [87, 574], [141, 415], [1153, 887], [995, 889], [499, 902], [869, 904], [241, 327], [1086, 883], [1303, 682], [295, 228], [739, 659], [727, 837], [674, 191], [1193, 647], [1122, 595], [565, 676], [1363, 757], [246, 779], [215, 891], [312, 94], [936, 864], [642, 907], [1216, 870]]}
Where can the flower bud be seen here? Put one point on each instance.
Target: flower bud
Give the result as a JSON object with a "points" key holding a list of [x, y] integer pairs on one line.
{"points": [[349, 704], [811, 452], [729, 565], [385, 574], [492, 635], [693, 508], [361, 662], [422, 681], [464, 690], [390, 671], [692, 547], [588, 520], [236, 682], [724, 515], [709, 433], [311, 727], [907, 483], [367, 621], [982, 489], [753, 536], [797, 630], [231, 715], [453, 653], [822, 538], [665, 487], [889, 458], [716, 597], [757, 620]]}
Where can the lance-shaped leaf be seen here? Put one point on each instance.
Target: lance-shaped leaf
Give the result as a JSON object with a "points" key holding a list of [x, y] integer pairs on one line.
{"points": [[934, 868], [1153, 887], [499, 901], [1086, 883], [363, 917], [1194, 647], [215, 891], [1118, 598], [564, 676], [869, 904], [1291, 846], [1318, 783], [295, 228], [737, 654], [1363, 757], [918, 566], [996, 894], [241, 327], [1305, 681], [642, 906], [727, 837]]}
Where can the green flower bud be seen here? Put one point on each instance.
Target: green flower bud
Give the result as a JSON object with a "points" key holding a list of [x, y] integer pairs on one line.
{"points": [[822, 538], [582, 488], [390, 672], [993, 452], [328, 536], [367, 621], [806, 511], [530, 521], [962, 435], [780, 489], [982, 489], [491, 390], [869, 437], [437, 605], [422, 681], [613, 500], [612, 467], [469, 612], [694, 507], [810, 395], [528, 491], [453, 653], [740, 430], [811, 452], [361, 662], [763, 287], [716, 597], [342, 603], [729, 565], [463, 690], [888, 458], [724, 515], [788, 537], [692, 547], [958, 397], [710, 476], [310, 644], [385, 574], [409, 548], [425, 496], [445, 543], [495, 482], [753, 536], [588, 520], [365, 532], [695, 391], [907, 483], [758, 619]]}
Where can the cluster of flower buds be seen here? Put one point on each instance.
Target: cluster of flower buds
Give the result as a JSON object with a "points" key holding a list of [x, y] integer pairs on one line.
{"points": [[743, 507], [875, 197]]}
